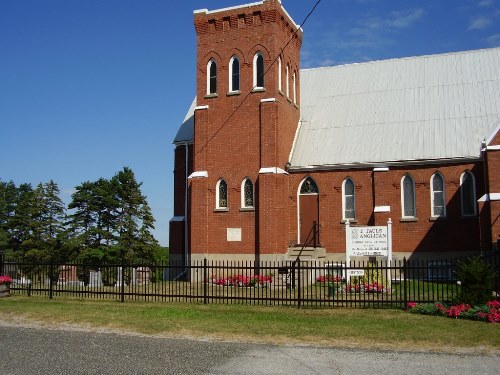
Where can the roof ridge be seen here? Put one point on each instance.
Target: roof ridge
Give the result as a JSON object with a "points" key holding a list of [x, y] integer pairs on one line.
{"points": [[474, 51]]}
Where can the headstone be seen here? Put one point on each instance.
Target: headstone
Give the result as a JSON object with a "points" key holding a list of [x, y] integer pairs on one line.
{"points": [[95, 278], [119, 277], [142, 275]]}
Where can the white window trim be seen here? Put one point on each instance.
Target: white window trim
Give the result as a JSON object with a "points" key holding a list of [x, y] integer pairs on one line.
{"points": [[473, 194], [432, 195], [344, 197], [294, 89], [287, 82], [403, 198], [217, 196], [231, 74], [279, 73], [209, 65], [255, 70], [243, 205], [298, 203]]}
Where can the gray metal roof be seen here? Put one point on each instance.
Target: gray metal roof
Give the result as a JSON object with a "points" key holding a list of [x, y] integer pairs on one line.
{"points": [[185, 134], [409, 109]]}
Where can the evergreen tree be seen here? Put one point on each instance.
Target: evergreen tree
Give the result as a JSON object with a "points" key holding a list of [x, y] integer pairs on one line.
{"points": [[8, 196], [135, 219]]}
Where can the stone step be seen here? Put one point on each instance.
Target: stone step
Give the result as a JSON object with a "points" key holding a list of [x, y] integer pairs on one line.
{"points": [[308, 253]]}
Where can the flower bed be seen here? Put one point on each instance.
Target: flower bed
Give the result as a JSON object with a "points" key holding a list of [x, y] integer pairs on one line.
{"points": [[365, 288], [5, 280], [328, 279], [242, 281], [488, 313]]}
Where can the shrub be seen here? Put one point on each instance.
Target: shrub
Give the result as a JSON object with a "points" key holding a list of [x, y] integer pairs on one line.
{"points": [[476, 280]]}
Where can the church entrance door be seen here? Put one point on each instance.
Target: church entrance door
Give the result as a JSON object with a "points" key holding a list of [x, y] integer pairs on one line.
{"points": [[309, 213]]}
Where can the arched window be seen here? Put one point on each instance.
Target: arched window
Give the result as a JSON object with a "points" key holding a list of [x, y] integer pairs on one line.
{"points": [[438, 202], [234, 74], [211, 77], [348, 199], [258, 71], [294, 89], [408, 196], [247, 194], [280, 63], [221, 192], [468, 194], [287, 83], [309, 186]]}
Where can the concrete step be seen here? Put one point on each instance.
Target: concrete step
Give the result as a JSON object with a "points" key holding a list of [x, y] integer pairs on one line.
{"points": [[308, 253]]}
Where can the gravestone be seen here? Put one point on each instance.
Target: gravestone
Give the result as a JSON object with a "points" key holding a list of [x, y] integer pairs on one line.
{"points": [[95, 278]]}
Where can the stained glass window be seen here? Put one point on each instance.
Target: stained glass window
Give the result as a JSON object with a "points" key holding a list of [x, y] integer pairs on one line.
{"points": [[349, 199], [468, 194], [408, 192], [248, 193], [235, 74], [222, 194], [438, 201], [212, 77]]}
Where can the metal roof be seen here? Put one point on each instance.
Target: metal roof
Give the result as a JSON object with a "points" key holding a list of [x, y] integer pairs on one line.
{"points": [[400, 110], [185, 134]]}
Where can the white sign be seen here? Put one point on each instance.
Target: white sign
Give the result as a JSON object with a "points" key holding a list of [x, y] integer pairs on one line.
{"points": [[355, 272], [369, 241], [234, 234]]}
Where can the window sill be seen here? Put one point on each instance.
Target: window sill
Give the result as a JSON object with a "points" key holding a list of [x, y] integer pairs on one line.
{"points": [[437, 218], [281, 93], [247, 209], [259, 89], [408, 220], [355, 221], [225, 209], [295, 105], [211, 96], [289, 100], [233, 93]]}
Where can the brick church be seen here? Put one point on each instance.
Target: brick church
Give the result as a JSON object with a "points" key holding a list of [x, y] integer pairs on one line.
{"points": [[271, 158]]}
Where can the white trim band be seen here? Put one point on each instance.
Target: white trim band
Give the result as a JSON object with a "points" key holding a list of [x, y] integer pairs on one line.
{"points": [[267, 100], [381, 169], [273, 170], [382, 209], [201, 107], [489, 197], [199, 174]]}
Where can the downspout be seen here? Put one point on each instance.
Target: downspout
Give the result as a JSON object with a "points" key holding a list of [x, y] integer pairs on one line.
{"points": [[186, 208], [186, 257]]}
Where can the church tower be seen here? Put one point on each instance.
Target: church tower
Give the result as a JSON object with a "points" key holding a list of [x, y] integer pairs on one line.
{"points": [[245, 119]]}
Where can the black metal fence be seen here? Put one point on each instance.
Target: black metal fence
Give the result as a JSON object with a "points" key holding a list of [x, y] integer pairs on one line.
{"points": [[302, 283]]}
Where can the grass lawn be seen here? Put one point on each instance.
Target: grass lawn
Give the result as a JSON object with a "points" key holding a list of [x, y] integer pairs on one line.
{"points": [[341, 327]]}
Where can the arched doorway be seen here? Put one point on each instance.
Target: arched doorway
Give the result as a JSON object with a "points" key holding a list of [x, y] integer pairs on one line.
{"points": [[308, 213]]}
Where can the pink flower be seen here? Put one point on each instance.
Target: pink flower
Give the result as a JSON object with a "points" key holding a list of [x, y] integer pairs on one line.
{"points": [[411, 305], [5, 280]]}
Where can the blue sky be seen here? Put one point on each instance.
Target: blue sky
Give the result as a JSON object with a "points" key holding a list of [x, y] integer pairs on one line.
{"points": [[90, 86]]}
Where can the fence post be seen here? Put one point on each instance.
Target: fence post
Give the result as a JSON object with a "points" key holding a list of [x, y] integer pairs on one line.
{"points": [[405, 298], [205, 279], [299, 297], [51, 271], [122, 284]]}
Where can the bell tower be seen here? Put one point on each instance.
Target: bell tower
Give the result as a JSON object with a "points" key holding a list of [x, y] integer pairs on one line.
{"points": [[246, 116]]}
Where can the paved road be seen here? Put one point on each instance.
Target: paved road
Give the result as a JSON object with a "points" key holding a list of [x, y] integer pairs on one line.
{"points": [[30, 350]]}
